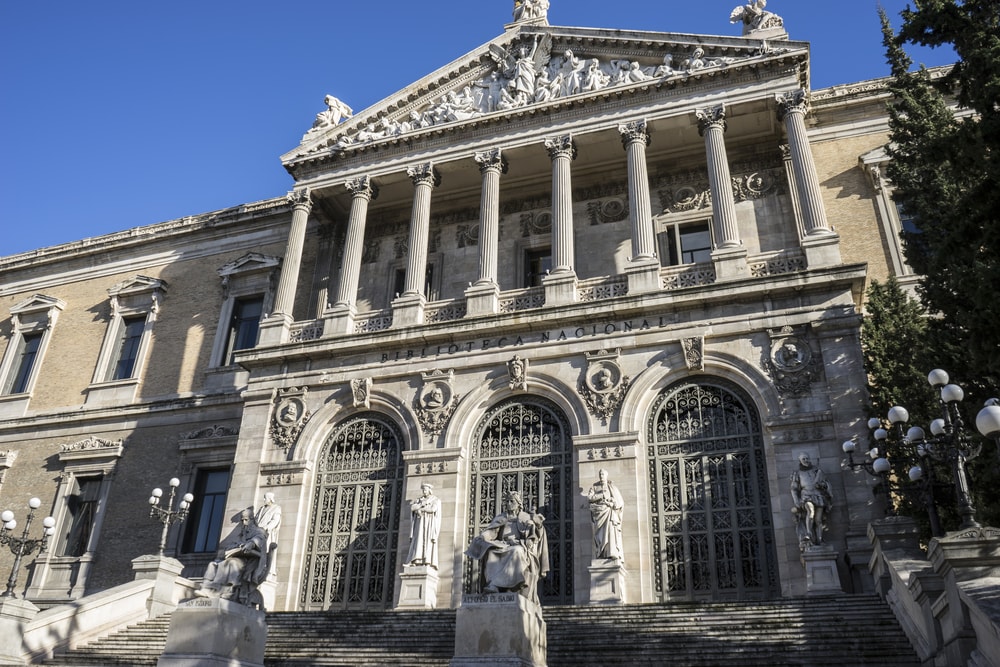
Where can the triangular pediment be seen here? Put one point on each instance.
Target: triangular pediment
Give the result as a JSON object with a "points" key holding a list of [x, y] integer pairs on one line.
{"points": [[37, 303], [540, 69], [136, 285], [249, 263]]}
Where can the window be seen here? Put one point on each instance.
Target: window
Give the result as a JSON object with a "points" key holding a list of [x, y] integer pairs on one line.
{"points": [[127, 349], [81, 508], [244, 324], [399, 283], [537, 264], [207, 513], [688, 243], [24, 363]]}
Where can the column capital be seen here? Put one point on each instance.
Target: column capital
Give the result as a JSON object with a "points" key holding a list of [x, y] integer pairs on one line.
{"points": [[634, 132], [563, 146], [791, 102], [424, 174], [711, 117], [300, 199], [491, 159], [363, 186]]}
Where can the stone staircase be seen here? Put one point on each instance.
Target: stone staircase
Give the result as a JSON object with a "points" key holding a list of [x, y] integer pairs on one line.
{"points": [[846, 631]]}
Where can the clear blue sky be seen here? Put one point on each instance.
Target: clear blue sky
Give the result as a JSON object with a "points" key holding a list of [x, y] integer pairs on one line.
{"points": [[117, 114]]}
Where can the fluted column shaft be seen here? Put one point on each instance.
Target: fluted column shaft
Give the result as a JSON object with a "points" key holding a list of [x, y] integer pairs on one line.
{"points": [[792, 112], [491, 165], [284, 299], [425, 178], [562, 151], [635, 138], [712, 126], [363, 191]]}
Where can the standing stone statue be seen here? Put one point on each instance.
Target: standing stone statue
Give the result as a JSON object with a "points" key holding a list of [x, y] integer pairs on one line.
{"points": [[512, 551], [426, 515], [606, 508], [240, 564], [811, 500], [268, 519]]}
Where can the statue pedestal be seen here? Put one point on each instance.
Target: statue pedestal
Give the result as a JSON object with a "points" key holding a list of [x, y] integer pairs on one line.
{"points": [[14, 615], [210, 632], [607, 581], [419, 587], [822, 577], [499, 630]]}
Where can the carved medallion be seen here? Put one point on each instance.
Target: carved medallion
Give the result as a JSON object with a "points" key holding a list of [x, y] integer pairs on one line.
{"points": [[436, 401], [790, 362], [604, 384], [290, 415]]}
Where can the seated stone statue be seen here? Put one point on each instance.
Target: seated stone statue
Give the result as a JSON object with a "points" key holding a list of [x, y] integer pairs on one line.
{"points": [[240, 563], [512, 551]]}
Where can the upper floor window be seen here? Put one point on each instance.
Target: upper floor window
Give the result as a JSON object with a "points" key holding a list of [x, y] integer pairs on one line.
{"points": [[24, 363], [32, 323], [134, 306], [686, 243], [248, 286], [244, 324], [204, 525], [892, 218], [537, 264], [126, 352]]}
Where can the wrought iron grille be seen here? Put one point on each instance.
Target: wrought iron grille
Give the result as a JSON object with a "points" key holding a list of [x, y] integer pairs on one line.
{"points": [[351, 551], [712, 526], [524, 445]]}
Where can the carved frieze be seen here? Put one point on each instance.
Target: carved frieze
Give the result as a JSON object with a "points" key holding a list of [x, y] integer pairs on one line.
{"points": [[436, 401], [289, 417], [604, 384]]}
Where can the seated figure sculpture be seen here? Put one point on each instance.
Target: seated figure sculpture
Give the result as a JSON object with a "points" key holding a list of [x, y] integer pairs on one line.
{"points": [[240, 563], [512, 551]]}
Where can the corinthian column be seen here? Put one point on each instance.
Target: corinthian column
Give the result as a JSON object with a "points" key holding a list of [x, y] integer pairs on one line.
{"points": [[562, 151], [274, 329], [408, 308], [491, 165], [821, 244], [363, 191], [712, 126], [635, 138]]}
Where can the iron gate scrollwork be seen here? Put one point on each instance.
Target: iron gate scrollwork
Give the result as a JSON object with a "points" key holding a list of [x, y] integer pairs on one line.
{"points": [[712, 524], [351, 550], [524, 444]]}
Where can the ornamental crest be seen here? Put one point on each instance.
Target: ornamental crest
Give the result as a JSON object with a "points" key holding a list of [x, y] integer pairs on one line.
{"points": [[790, 362], [290, 416], [361, 389], [436, 401], [694, 352], [604, 384]]}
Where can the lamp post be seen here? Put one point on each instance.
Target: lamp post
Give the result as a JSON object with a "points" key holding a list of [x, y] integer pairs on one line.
{"points": [[988, 421], [875, 464], [169, 515], [23, 545]]}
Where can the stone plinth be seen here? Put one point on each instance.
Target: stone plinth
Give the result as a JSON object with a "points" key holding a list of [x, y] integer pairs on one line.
{"points": [[822, 249], [643, 276], [210, 632], [482, 299], [408, 310], [14, 615], [499, 630], [560, 288], [730, 263], [419, 587], [607, 582], [822, 577], [164, 571]]}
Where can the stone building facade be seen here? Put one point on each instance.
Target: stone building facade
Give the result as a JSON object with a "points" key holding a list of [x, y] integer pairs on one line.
{"points": [[571, 250]]}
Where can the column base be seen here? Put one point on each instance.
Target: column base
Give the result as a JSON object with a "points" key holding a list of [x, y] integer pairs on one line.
{"points": [[482, 299], [205, 632], [408, 310], [338, 320], [822, 249], [730, 263], [419, 587], [499, 630], [607, 582], [822, 577], [274, 329], [643, 275], [560, 288]]}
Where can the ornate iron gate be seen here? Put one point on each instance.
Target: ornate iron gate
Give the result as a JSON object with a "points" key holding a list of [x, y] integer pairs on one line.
{"points": [[524, 445], [712, 526], [351, 552]]}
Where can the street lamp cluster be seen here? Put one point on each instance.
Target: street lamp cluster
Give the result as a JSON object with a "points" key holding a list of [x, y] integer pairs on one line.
{"points": [[948, 443], [23, 545], [169, 515]]}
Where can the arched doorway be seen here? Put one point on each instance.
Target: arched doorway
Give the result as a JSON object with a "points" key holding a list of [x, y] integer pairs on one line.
{"points": [[524, 444], [712, 525], [351, 550]]}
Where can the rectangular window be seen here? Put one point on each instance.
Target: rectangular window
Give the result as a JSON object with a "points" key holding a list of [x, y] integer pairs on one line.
{"points": [[399, 283], [205, 522], [244, 324], [907, 222], [81, 506], [24, 363], [688, 243], [537, 263], [127, 348]]}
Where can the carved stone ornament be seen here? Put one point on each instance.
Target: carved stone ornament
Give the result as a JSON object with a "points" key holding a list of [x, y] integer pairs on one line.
{"points": [[361, 389], [436, 401], [604, 384], [694, 352], [517, 370], [215, 431], [791, 363], [290, 416]]}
